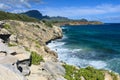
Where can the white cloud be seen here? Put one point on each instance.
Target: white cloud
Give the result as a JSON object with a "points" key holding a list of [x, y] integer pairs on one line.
{"points": [[17, 4], [18, 11], [4, 7], [82, 11]]}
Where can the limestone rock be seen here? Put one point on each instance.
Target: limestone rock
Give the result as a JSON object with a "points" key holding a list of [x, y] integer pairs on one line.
{"points": [[61, 78], [54, 69], [4, 31], [9, 72], [51, 52], [108, 76], [8, 60], [3, 47], [24, 69], [13, 39], [21, 53]]}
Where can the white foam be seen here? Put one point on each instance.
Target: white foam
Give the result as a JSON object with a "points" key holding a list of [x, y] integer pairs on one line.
{"points": [[98, 64], [76, 50], [64, 27], [67, 55], [54, 44]]}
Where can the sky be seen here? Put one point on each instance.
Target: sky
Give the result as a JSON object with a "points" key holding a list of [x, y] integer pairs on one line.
{"points": [[102, 10]]}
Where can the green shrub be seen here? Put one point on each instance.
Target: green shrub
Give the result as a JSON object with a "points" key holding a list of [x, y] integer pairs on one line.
{"points": [[88, 73], [6, 26], [36, 58], [20, 17], [10, 45], [37, 45], [27, 49], [47, 23]]}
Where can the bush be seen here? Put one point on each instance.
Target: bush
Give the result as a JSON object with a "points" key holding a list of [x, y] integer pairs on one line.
{"points": [[6, 26], [10, 45], [47, 23], [36, 58], [88, 73]]}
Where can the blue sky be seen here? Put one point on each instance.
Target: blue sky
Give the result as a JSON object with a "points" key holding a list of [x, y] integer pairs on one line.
{"points": [[103, 10]]}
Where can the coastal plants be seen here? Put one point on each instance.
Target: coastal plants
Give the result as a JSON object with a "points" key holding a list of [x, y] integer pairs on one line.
{"points": [[37, 44], [36, 58], [7, 26], [89, 73], [11, 45], [47, 23], [13, 16]]}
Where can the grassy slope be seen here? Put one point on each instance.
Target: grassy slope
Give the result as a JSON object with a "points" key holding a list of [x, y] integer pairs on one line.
{"points": [[12, 16]]}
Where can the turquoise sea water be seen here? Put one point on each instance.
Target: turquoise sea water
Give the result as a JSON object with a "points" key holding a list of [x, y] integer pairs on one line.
{"points": [[90, 45]]}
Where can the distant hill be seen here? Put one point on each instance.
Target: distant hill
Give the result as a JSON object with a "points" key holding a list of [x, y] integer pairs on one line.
{"points": [[12, 16], [38, 15], [34, 13]]}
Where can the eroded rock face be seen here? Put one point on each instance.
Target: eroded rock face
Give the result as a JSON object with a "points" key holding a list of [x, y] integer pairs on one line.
{"points": [[29, 37], [34, 37], [16, 55], [4, 35]]}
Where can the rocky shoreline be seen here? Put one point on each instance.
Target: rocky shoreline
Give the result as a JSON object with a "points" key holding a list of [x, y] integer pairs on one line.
{"points": [[19, 40]]}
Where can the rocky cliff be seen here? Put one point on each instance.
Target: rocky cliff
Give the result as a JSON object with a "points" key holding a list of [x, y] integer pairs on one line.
{"points": [[25, 56], [18, 40]]}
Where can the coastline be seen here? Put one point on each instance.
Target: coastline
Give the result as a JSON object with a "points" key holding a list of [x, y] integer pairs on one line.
{"points": [[53, 47], [32, 38]]}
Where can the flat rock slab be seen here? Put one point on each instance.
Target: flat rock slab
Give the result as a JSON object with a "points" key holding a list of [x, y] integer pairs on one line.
{"points": [[54, 68], [9, 72], [3, 47], [22, 54], [8, 60]]}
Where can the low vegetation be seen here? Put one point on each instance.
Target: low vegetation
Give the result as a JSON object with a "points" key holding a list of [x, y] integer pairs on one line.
{"points": [[6, 26], [12, 16], [47, 23], [89, 73], [36, 58], [11, 45]]}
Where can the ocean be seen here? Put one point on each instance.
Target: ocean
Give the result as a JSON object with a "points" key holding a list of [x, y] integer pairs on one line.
{"points": [[90, 45]]}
